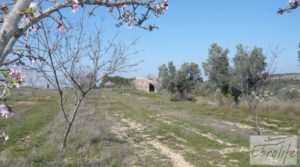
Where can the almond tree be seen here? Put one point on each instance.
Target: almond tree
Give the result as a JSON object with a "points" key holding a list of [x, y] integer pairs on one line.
{"points": [[293, 4], [249, 75], [19, 18], [16, 17], [81, 60]]}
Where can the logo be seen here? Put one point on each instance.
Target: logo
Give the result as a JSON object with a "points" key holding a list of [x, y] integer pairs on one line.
{"points": [[273, 150]]}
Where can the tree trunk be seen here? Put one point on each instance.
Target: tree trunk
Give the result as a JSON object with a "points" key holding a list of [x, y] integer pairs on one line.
{"points": [[253, 106], [65, 136], [69, 124], [256, 123], [10, 25]]}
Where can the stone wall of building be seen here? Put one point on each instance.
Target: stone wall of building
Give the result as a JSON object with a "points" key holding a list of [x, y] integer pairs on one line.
{"points": [[145, 85]]}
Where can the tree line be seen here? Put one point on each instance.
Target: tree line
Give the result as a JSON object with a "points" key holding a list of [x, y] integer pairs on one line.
{"points": [[244, 77]]}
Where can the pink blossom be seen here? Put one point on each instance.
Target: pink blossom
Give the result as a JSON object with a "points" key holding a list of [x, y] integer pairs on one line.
{"points": [[76, 2], [166, 4], [17, 85], [135, 22], [6, 111], [75, 7], [34, 28], [32, 60], [26, 17], [128, 25], [21, 79], [60, 26], [4, 136], [125, 14], [162, 6], [33, 5], [294, 1], [13, 73], [17, 75]]}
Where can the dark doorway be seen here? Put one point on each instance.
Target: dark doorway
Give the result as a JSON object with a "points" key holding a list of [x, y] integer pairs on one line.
{"points": [[151, 88]]}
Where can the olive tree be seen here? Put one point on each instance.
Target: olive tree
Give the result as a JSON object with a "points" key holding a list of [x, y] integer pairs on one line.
{"points": [[248, 76], [186, 79], [166, 76], [217, 67]]}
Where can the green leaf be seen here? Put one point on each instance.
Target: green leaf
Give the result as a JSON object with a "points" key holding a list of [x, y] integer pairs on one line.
{"points": [[30, 11], [5, 10], [8, 93], [5, 74], [12, 84]]}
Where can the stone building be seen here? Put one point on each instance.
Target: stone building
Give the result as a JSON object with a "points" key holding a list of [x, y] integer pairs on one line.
{"points": [[146, 85], [109, 84]]}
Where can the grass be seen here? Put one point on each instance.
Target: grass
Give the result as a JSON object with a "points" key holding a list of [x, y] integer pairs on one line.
{"points": [[37, 128], [131, 109], [90, 142], [30, 117], [241, 114]]}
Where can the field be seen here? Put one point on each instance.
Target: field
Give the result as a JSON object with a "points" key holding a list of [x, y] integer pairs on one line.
{"points": [[122, 127]]}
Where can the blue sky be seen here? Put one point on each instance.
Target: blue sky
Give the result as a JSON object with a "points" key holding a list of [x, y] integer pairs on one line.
{"points": [[189, 27]]}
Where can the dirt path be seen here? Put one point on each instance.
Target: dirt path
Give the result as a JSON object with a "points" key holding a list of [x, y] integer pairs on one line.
{"points": [[220, 125], [176, 158], [126, 126], [121, 130], [187, 138]]}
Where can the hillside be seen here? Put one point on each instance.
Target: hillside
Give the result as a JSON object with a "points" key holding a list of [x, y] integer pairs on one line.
{"points": [[286, 76]]}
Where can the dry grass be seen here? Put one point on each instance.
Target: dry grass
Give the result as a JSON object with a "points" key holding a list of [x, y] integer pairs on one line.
{"points": [[185, 128], [90, 143], [280, 105]]}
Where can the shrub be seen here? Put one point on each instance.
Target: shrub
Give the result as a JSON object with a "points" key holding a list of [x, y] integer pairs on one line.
{"points": [[292, 95], [177, 97], [206, 89]]}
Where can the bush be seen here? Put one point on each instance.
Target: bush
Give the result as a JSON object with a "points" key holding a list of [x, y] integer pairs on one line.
{"points": [[176, 97], [190, 98], [292, 95], [206, 89], [119, 81]]}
